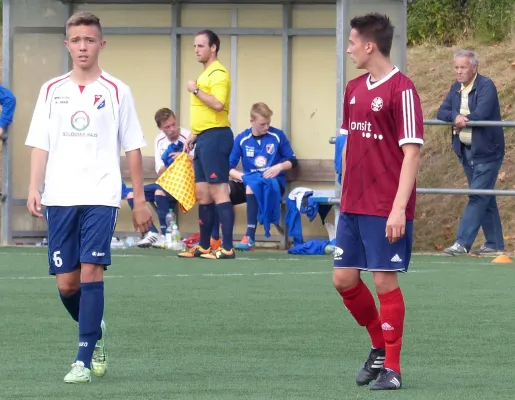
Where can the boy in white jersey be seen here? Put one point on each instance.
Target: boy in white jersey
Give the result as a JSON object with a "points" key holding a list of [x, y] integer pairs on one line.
{"points": [[80, 122], [170, 140]]}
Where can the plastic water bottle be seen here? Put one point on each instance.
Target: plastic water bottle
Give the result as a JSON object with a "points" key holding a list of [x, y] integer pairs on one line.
{"points": [[176, 237], [130, 242], [171, 219], [168, 237], [170, 222]]}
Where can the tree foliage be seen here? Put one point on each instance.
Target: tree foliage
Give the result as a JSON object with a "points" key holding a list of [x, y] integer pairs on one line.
{"points": [[448, 21]]}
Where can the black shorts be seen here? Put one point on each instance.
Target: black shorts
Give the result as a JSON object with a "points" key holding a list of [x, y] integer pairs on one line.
{"points": [[212, 150], [238, 192]]}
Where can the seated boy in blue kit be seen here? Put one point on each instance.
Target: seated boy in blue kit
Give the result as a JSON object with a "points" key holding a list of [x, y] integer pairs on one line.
{"points": [[263, 150]]}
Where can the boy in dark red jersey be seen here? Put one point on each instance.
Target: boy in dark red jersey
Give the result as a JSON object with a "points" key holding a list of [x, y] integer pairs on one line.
{"points": [[384, 123]]}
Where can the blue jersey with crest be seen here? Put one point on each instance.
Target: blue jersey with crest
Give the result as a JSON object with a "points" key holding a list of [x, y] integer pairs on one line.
{"points": [[258, 153]]}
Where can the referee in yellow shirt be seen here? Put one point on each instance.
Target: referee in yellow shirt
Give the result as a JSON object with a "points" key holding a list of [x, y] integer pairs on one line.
{"points": [[211, 130]]}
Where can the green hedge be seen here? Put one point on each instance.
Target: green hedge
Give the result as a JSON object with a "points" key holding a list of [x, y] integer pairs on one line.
{"points": [[448, 21]]}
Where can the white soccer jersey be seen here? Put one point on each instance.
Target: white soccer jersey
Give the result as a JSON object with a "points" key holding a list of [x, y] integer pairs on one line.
{"points": [[162, 142], [83, 130]]}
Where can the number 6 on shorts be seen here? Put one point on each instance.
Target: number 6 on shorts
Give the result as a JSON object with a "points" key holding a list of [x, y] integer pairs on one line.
{"points": [[58, 261]]}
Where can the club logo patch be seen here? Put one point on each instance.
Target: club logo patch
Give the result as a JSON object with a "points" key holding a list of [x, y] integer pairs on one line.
{"points": [[79, 120], [377, 104], [99, 101], [260, 162]]}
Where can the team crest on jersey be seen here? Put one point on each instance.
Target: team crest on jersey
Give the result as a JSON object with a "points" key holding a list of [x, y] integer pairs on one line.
{"points": [[99, 101], [270, 148], [260, 162], [79, 120], [377, 104]]}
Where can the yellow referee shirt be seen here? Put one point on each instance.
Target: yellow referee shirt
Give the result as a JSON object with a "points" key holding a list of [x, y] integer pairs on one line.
{"points": [[215, 81]]}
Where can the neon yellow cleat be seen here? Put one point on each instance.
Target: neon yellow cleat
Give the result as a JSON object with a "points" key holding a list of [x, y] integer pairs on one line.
{"points": [[78, 374], [99, 360]]}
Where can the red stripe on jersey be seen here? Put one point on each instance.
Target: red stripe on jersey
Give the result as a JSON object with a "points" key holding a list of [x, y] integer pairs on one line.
{"points": [[160, 140], [114, 85], [53, 83]]}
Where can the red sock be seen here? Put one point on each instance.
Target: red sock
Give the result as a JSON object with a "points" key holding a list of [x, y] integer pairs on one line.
{"points": [[360, 303], [392, 318]]}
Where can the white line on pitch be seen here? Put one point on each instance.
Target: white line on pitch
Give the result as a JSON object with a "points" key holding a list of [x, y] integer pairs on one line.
{"points": [[209, 275]]}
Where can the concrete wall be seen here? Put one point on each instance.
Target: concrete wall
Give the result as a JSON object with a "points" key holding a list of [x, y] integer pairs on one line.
{"points": [[144, 63]]}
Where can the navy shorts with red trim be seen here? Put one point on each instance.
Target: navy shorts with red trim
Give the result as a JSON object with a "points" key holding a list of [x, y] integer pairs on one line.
{"points": [[212, 150]]}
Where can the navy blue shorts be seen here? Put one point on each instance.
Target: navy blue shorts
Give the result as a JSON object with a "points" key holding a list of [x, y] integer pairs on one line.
{"points": [[361, 244], [212, 150], [79, 234], [150, 193]]}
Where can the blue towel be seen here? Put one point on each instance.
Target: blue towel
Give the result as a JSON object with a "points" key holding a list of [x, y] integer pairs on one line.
{"points": [[310, 208], [313, 208], [268, 196], [338, 149], [313, 247], [172, 148], [293, 217]]}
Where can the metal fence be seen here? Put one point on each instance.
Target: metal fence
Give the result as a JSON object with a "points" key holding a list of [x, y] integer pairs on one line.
{"points": [[452, 191]]}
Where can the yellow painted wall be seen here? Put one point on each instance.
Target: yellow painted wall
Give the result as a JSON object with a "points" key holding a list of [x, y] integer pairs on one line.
{"points": [[259, 77], [144, 63], [130, 15], [313, 100], [202, 15], [314, 16], [149, 78], [260, 16], [36, 59]]}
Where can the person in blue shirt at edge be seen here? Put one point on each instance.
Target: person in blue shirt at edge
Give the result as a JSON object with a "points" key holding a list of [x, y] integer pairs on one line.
{"points": [[262, 149], [8, 103]]}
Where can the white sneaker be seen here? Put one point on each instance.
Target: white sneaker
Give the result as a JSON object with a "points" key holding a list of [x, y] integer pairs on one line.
{"points": [[78, 374], [149, 239], [160, 244]]}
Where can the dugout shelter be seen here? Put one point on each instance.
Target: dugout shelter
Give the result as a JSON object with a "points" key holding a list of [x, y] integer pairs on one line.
{"points": [[289, 54]]}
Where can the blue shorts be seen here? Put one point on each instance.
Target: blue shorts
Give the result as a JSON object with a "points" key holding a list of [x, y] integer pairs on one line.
{"points": [[79, 234], [361, 244], [212, 150], [150, 193]]}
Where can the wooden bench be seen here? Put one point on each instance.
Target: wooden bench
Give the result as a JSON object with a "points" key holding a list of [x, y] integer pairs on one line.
{"points": [[319, 171], [307, 170]]}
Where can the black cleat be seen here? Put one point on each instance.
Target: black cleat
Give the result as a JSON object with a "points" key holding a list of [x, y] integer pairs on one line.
{"points": [[372, 367], [387, 380]]}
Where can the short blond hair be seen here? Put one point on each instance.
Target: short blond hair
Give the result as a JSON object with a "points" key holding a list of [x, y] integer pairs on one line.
{"points": [[261, 109], [83, 18]]}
